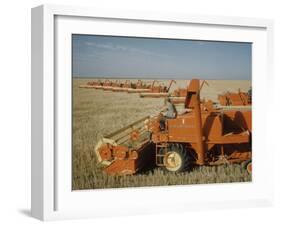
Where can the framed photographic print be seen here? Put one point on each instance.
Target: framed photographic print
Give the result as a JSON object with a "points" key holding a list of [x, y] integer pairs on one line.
{"points": [[136, 112]]}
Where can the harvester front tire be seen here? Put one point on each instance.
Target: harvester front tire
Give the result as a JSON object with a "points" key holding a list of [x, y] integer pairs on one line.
{"points": [[176, 159]]}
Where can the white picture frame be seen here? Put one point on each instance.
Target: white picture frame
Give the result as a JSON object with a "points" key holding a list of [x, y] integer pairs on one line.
{"points": [[52, 197]]}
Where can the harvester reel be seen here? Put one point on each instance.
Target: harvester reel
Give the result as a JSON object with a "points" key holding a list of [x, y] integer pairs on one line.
{"points": [[103, 141], [176, 159]]}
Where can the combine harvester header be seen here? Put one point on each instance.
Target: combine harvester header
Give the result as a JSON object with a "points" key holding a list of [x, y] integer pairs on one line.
{"points": [[125, 151]]}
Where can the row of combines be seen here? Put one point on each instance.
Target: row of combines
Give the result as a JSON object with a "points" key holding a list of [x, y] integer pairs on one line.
{"points": [[157, 90], [153, 90], [200, 135]]}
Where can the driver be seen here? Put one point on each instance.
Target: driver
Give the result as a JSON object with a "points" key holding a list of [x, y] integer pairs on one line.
{"points": [[169, 112]]}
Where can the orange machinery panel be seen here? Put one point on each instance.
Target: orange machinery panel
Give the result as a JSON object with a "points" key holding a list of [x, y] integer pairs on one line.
{"points": [[182, 129]]}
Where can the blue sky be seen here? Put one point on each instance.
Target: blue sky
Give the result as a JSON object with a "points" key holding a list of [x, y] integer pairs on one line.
{"points": [[126, 57]]}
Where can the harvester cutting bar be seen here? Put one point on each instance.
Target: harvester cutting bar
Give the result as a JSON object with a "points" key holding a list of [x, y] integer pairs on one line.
{"points": [[107, 87], [131, 90], [97, 86], [86, 86], [120, 89], [153, 95]]}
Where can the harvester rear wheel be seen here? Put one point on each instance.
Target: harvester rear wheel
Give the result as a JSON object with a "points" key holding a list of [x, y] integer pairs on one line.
{"points": [[176, 159]]}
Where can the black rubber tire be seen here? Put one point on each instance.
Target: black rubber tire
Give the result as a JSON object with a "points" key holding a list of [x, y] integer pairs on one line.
{"points": [[183, 154]]}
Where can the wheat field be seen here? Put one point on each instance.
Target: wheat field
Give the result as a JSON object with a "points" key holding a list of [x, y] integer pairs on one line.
{"points": [[96, 113]]}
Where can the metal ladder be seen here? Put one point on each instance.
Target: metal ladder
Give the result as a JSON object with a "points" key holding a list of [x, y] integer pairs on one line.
{"points": [[161, 150]]}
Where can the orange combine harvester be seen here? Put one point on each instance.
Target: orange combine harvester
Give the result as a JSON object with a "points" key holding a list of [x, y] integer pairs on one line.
{"points": [[92, 84], [201, 135], [236, 99], [139, 87], [144, 90], [157, 91]]}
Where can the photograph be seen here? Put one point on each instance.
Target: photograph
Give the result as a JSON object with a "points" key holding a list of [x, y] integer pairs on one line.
{"points": [[160, 112]]}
